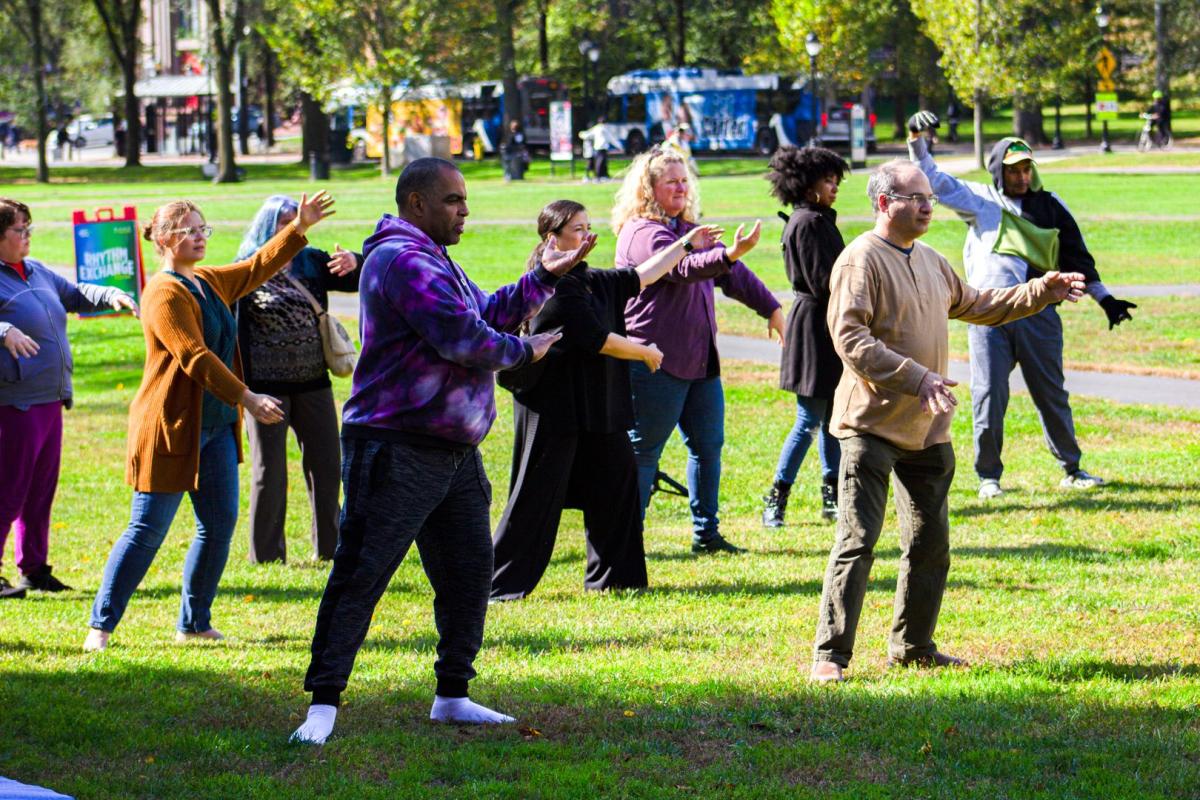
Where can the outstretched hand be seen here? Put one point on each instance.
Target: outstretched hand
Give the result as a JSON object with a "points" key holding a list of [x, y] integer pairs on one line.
{"points": [[703, 237], [313, 211], [123, 302], [558, 262], [743, 244], [1117, 310], [540, 343], [1067, 286], [342, 262]]}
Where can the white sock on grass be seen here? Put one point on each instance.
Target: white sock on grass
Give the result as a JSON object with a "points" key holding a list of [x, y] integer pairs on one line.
{"points": [[461, 709], [318, 726]]}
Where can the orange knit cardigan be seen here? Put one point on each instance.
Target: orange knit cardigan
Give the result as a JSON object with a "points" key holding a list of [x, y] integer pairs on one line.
{"points": [[164, 417]]}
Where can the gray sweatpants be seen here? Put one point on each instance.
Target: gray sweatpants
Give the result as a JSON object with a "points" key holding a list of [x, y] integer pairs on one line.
{"points": [[1036, 343], [397, 494]]}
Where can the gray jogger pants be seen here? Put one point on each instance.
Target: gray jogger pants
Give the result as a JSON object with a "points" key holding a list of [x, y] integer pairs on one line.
{"points": [[1036, 343]]}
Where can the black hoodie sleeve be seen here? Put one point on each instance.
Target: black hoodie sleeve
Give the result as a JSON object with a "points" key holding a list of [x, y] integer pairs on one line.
{"points": [[1073, 255]]}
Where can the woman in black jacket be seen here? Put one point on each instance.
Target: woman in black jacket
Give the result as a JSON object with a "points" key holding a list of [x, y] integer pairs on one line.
{"points": [[572, 410], [807, 179]]}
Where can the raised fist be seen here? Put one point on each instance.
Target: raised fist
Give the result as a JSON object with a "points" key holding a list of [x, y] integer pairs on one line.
{"points": [[923, 121]]}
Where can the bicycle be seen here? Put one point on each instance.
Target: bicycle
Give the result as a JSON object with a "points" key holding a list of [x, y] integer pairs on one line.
{"points": [[1151, 137]]}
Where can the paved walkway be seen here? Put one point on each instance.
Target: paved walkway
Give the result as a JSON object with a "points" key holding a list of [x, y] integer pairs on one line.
{"points": [[1177, 392]]}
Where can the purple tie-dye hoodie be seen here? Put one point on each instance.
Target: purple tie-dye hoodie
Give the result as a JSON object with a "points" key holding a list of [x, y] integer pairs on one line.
{"points": [[432, 339]]}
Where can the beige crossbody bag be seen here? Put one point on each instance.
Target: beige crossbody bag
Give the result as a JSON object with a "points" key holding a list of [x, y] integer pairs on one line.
{"points": [[340, 353]]}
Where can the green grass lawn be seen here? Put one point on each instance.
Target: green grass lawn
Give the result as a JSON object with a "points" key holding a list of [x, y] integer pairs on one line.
{"points": [[1162, 339], [1142, 228], [1078, 610]]}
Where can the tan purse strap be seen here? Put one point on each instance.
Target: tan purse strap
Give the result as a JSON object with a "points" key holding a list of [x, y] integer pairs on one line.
{"points": [[320, 312]]}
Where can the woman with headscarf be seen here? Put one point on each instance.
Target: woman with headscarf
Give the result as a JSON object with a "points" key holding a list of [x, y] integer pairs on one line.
{"points": [[282, 356]]}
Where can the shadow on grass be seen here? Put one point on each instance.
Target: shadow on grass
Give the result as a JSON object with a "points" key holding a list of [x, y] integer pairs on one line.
{"points": [[131, 729]]}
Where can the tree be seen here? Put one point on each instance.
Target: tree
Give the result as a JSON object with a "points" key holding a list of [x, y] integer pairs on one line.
{"points": [[226, 21], [1023, 49], [508, 58], [26, 16], [849, 31], [121, 20]]}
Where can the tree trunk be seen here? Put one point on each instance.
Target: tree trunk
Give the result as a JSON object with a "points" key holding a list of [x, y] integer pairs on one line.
{"points": [[680, 33], [1088, 99], [1162, 56], [133, 111], [543, 39], [978, 126], [268, 68], [243, 128], [39, 82], [1027, 119], [385, 106], [313, 125], [226, 166], [508, 63]]}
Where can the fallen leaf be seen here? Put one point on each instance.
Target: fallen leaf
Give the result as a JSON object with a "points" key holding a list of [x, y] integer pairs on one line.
{"points": [[926, 749], [529, 733], [629, 713]]}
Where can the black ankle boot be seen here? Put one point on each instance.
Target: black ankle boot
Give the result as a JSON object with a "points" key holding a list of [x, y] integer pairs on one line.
{"points": [[829, 501], [775, 505]]}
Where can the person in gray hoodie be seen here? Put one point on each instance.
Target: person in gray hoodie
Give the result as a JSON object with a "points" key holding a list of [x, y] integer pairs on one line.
{"points": [[35, 385], [1017, 230]]}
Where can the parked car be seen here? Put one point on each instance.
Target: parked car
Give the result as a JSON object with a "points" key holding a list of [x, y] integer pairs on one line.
{"points": [[88, 132]]}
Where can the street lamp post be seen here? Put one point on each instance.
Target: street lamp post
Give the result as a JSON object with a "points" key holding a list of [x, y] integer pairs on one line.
{"points": [[813, 46], [585, 46], [1102, 20], [1057, 144], [593, 55]]}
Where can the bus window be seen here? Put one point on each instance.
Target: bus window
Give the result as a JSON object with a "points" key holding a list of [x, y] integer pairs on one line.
{"points": [[615, 111], [635, 110]]}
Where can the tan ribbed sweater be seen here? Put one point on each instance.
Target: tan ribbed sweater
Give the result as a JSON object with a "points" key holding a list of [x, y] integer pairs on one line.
{"points": [[164, 417], [887, 315]]}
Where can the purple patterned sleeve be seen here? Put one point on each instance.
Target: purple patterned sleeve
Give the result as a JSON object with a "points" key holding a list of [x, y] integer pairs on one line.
{"points": [[447, 314], [507, 307]]}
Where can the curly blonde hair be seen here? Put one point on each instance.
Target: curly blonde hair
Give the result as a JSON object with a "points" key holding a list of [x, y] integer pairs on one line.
{"points": [[166, 219], [635, 198]]}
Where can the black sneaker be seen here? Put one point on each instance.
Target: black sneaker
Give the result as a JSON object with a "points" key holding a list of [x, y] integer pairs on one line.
{"points": [[10, 592], [42, 581], [716, 544]]}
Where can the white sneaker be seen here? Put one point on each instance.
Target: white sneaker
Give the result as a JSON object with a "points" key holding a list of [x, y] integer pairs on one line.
{"points": [[989, 488], [210, 635], [1081, 480]]}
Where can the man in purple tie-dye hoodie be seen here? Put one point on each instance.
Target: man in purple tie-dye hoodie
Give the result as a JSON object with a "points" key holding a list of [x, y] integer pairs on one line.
{"points": [[422, 400]]}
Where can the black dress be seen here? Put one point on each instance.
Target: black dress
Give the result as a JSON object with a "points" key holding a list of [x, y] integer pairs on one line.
{"points": [[572, 449], [811, 243]]}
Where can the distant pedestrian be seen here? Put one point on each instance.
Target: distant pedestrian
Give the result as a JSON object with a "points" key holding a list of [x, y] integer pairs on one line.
{"points": [[515, 152], [185, 432]]}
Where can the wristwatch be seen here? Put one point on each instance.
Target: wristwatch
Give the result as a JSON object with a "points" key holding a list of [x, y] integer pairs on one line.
{"points": [[688, 247]]}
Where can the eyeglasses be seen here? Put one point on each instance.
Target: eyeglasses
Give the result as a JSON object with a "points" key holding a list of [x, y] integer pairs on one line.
{"points": [[919, 199], [23, 233], [204, 231]]}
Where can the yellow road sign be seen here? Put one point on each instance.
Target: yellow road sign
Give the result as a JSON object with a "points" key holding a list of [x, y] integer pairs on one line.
{"points": [[1106, 64], [1105, 85]]}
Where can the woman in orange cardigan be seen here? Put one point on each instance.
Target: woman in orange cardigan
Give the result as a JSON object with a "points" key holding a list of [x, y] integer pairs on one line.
{"points": [[184, 423]]}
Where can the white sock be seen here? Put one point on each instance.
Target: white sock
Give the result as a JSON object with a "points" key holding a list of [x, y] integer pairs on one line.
{"points": [[318, 726], [461, 709]]}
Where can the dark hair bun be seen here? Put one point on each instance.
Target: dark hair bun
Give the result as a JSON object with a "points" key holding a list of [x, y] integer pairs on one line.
{"points": [[147, 231]]}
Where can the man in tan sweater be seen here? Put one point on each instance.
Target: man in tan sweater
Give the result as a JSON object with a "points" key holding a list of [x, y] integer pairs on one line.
{"points": [[891, 297]]}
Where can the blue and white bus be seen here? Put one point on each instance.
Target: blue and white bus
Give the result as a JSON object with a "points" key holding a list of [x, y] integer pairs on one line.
{"points": [[725, 110]]}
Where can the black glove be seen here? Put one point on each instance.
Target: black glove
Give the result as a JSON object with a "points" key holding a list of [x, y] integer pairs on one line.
{"points": [[923, 121], [1117, 310]]}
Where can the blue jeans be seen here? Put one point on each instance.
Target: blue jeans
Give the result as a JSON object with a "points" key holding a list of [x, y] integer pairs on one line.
{"points": [[215, 504], [662, 401], [812, 413]]}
